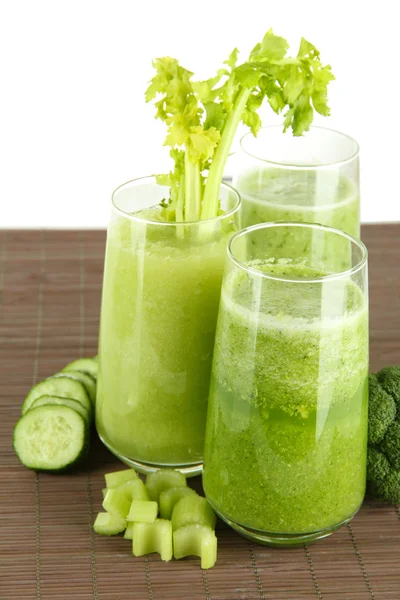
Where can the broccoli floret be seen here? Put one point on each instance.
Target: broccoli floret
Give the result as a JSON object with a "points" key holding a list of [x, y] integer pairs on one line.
{"points": [[382, 411], [389, 378], [391, 445], [387, 489], [378, 466]]}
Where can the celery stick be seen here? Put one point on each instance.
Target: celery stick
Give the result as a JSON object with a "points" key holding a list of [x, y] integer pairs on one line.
{"points": [[117, 503], [193, 510], [107, 524], [168, 499], [196, 540], [153, 537], [143, 511], [162, 480], [128, 531], [135, 490], [118, 478]]}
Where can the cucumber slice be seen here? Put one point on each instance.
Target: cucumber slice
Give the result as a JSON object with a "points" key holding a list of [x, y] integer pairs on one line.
{"points": [[152, 537], [128, 531], [168, 499], [86, 379], [143, 511], [117, 478], [193, 510], [63, 387], [135, 490], [107, 524], [196, 540], [162, 480], [117, 503], [83, 364], [51, 438], [43, 400]]}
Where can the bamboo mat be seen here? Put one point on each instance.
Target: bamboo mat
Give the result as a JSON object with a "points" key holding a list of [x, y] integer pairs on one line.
{"points": [[50, 285]]}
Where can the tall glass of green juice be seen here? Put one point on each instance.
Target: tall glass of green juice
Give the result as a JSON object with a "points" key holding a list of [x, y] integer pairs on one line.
{"points": [[311, 179], [286, 437], [161, 290]]}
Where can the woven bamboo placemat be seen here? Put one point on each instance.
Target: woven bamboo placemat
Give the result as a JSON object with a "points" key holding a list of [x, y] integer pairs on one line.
{"points": [[50, 284]]}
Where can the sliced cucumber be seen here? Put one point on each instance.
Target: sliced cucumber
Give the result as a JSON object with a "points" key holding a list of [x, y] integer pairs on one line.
{"points": [[90, 365], [63, 387], [118, 478], [193, 510], [168, 499], [43, 400], [152, 537], [107, 524], [86, 379], [117, 503], [143, 511], [51, 438], [196, 540], [162, 480]]}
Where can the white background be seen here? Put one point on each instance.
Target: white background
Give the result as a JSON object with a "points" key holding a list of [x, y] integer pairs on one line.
{"points": [[74, 124]]}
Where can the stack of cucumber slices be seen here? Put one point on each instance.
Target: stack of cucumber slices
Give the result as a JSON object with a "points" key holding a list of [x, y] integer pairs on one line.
{"points": [[162, 515], [53, 433]]}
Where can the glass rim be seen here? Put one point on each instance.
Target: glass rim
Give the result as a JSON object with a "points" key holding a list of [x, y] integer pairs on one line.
{"points": [[325, 165], [340, 275], [150, 179]]}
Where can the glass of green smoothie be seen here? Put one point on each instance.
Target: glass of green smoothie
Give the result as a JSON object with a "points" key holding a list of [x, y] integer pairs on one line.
{"points": [[161, 290], [286, 436], [312, 178]]}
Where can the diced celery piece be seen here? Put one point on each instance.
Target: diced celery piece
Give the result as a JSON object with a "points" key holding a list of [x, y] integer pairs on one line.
{"points": [[162, 480], [128, 531], [143, 511], [104, 492], [135, 490], [117, 478], [168, 499], [196, 540], [153, 537], [193, 510], [107, 524], [117, 503]]}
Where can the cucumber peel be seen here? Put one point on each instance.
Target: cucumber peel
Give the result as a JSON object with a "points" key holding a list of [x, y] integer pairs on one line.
{"points": [[162, 480], [143, 511], [168, 499], [153, 537], [63, 387], [88, 381], [43, 400], [196, 540], [90, 365]]}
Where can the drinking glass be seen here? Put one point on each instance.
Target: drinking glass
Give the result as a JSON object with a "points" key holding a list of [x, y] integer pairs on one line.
{"points": [[162, 284], [313, 178], [286, 437]]}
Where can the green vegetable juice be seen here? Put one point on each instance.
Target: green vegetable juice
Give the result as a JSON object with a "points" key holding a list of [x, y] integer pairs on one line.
{"points": [[306, 196], [287, 423], [161, 291]]}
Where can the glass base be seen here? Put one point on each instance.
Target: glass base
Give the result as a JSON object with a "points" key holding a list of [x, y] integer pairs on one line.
{"points": [[282, 540], [189, 470]]}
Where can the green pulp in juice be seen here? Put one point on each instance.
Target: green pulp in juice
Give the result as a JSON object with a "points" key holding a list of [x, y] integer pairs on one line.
{"points": [[308, 196], [287, 422], [159, 309]]}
